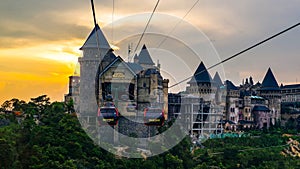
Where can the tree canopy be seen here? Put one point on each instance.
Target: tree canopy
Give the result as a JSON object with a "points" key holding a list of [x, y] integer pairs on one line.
{"points": [[50, 137]]}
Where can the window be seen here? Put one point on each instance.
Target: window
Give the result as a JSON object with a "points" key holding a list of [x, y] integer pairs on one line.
{"points": [[232, 109]]}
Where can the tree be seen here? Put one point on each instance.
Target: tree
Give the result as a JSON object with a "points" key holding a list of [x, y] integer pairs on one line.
{"points": [[40, 103], [70, 106], [291, 123], [13, 105], [7, 106], [173, 162]]}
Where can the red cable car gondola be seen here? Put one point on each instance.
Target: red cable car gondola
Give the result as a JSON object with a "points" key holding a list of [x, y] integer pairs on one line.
{"points": [[154, 116], [108, 114]]}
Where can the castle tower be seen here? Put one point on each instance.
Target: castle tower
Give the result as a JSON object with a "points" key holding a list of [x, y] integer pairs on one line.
{"points": [[144, 58], [202, 84], [270, 90], [73, 95], [217, 80], [218, 84], [93, 53]]}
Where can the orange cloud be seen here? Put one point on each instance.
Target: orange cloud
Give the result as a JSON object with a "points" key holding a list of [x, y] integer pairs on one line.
{"points": [[27, 77]]}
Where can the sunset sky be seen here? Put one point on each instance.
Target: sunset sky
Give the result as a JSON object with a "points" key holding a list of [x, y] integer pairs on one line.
{"points": [[40, 40]]}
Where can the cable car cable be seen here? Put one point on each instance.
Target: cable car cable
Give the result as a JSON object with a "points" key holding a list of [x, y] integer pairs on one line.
{"points": [[178, 23], [146, 26], [239, 53], [95, 24]]}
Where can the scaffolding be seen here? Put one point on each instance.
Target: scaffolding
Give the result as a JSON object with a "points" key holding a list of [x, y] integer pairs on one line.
{"points": [[201, 118]]}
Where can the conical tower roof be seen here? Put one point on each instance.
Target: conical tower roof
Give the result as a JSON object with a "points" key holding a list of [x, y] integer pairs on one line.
{"points": [[91, 41], [144, 57], [217, 79], [201, 75], [269, 82], [77, 70], [230, 85], [109, 56], [107, 59]]}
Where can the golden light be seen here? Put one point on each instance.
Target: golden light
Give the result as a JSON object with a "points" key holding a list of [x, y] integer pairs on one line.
{"points": [[114, 47]]}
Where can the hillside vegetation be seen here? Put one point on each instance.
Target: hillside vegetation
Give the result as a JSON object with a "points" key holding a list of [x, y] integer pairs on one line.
{"points": [[57, 140]]}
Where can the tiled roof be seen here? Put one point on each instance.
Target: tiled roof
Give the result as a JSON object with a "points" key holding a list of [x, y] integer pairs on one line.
{"points": [[91, 41], [217, 79], [144, 57], [230, 85], [245, 122], [269, 82], [291, 86], [135, 67], [260, 108], [227, 121], [201, 75], [109, 56]]}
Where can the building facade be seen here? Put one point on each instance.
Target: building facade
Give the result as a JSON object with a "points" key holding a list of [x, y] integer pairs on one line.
{"points": [[73, 95], [93, 52], [201, 105], [243, 102]]}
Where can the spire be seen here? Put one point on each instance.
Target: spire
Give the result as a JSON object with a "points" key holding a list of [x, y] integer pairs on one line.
{"points": [[91, 41], [144, 57], [269, 82], [201, 75], [109, 56], [217, 79], [107, 59], [230, 85], [136, 59], [77, 70]]}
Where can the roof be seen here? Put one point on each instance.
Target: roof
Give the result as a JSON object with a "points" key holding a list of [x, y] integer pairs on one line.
{"points": [[227, 121], [257, 97], [260, 108], [107, 59], [149, 72], [201, 75], [245, 122], [135, 67], [144, 56], [135, 57], [292, 86], [269, 82], [91, 41], [109, 56], [113, 62], [217, 79], [230, 85]]}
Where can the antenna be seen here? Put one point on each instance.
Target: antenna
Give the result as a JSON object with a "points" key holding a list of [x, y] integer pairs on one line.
{"points": [[129, 52]]}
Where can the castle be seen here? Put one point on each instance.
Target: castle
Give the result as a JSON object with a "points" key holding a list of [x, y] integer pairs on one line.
{"points": [[255, 105], [134, 86]]}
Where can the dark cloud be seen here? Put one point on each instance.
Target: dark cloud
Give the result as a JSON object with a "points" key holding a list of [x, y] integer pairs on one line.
{"points": [[231, 26], [38, 21]]}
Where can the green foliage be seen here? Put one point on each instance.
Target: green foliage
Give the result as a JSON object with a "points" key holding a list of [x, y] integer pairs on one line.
{"points": [[259, 151], [9, 136], [56, 140]]}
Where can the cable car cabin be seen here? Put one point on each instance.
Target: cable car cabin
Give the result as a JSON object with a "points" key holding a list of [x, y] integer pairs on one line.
{"points": [[154, 116], [108, 114]]}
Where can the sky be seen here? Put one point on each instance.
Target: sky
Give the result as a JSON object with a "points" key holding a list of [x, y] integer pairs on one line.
{"points": [[40, 40]]}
